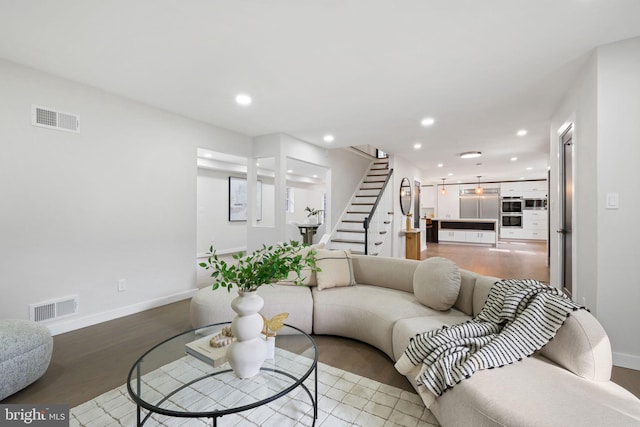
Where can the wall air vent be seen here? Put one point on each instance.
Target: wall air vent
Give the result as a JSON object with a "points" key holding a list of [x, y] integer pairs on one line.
{"points": [[53, 309], [52, 119]]}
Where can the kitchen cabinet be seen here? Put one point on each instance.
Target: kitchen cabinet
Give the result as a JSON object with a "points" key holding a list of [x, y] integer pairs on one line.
{"points": [[449, 204], [535, 224], [511, 189], [534, 189], [469, 231], [428, 197]]}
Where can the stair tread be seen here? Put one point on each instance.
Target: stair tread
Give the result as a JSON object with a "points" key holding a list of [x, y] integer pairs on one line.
{"points": [[361, 204], [358, 242], [352, 221], [346, 230]]}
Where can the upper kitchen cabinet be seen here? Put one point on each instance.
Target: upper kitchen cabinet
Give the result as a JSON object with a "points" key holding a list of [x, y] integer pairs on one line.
{"points": [[534, 189], [428, 197], [512, 189], [449, 203]]}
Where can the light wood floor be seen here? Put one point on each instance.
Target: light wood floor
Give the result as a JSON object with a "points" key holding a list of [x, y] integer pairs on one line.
{"points": [[93, 360]]}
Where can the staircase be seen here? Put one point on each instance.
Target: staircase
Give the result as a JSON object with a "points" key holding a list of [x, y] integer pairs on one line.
{"points": [[350, 232]]}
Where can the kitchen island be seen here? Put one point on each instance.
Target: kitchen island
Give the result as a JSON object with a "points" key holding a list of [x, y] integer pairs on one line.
{"points": [[483, 231]]}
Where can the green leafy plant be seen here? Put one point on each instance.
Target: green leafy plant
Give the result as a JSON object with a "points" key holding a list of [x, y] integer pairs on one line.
{"points": [[312, 211], [265, 265]]}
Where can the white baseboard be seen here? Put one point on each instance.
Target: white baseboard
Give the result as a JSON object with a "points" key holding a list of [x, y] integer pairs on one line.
{"points": [[626, 361], [68, 325]]}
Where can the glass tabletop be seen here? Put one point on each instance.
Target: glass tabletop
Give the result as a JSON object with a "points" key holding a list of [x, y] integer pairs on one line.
{"points": [[168, 380]]}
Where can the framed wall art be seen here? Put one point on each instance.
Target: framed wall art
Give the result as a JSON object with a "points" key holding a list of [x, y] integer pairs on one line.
{"points": [[238, 199]]}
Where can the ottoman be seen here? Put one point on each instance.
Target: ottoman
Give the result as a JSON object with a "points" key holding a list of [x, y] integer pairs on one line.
{"points": [[25, 353]]}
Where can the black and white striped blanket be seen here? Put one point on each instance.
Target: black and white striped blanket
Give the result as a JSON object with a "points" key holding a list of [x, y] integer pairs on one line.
{"points": [[519, 318]]}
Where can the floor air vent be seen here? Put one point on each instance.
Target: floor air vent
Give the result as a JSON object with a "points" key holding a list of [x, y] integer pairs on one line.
{"points": [[53, 309], [52, 119]]}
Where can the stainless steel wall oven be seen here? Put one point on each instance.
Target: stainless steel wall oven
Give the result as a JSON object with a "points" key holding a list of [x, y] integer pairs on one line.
{"points": [[511, 205], [511, 220]]}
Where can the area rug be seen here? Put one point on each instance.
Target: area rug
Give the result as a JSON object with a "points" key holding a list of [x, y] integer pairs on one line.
{"points": [[344, 399]]}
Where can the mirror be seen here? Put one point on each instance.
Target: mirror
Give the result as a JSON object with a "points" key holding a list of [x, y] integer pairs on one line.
{"points": [[405, 196]]}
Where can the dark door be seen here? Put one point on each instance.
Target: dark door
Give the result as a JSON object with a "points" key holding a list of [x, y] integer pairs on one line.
{"points": [[566, 211]]}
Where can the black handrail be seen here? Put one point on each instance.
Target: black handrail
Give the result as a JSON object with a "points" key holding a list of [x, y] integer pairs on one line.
{"points": [[373, 210]]}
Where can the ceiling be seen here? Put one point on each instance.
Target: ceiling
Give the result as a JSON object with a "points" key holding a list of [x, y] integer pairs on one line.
{"points": [[366, 71]]}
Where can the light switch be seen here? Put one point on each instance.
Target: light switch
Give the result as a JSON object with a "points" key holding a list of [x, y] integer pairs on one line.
{"points": [[613, 201]]}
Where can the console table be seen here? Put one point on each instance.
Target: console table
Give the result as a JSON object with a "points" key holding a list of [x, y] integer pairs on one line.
{"points": [[412, 243], [307, 231]]}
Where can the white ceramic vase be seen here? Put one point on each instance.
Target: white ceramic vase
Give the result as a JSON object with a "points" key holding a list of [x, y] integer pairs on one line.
{"points": [[247, 354]]}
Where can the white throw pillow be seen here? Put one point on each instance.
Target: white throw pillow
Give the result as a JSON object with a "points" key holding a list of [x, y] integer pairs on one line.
{"points": [[335, 267], [436, 283]]}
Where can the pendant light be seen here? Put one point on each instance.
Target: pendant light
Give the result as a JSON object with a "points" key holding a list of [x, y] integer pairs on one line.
{"points": [[443, 190], [479, 190]]}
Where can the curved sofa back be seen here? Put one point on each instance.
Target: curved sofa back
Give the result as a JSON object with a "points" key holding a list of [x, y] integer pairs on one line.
{"points": [[397, 273], [580, 346]]}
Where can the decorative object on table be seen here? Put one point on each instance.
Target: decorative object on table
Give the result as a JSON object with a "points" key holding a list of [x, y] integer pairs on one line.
{"points": [[409, 221], [266, 265], [211, 349], [269, 329], [248, 352], [313, 213]]}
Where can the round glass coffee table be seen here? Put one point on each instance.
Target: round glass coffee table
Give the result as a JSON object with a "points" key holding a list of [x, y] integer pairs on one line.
{"points": [[170, 381]]}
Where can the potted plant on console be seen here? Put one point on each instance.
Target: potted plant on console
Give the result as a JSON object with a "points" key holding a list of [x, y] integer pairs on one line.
{"points": [[266, 265]]}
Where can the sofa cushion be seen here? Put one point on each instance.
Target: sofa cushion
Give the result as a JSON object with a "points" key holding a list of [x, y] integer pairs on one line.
{"points": [[405, 329], [535, 393], [436, 283], [481, 292], [581, 346], [363, 312], [335, 268], [208, 307], [387, 272], [464, 302]]}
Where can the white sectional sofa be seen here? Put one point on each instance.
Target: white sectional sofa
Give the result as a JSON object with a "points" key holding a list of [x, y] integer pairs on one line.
{"points": [[567, 383]]}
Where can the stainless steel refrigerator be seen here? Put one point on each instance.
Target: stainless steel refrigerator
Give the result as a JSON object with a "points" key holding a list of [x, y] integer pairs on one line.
{"points": [[484, 206]]}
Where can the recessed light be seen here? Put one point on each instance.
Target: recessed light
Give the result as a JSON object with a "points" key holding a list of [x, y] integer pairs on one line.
{"points": [[522, 177], [513, 159], [209, 156], [314, 176], [450, 174], [328, 138], [289, 171], [470, 154], [417, 145], [243, 99], [427, 121], [522, 132], [440, 165], [529, 168]]}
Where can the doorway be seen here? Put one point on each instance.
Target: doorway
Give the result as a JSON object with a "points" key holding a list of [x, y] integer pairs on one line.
{"points": [[566, 210], [416, 203]]}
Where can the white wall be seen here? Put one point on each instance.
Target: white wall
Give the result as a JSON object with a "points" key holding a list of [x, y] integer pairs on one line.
{"points": [[347, 170], [304, 195], [605, 104], [618, 151], [580, 108], [402, 168], [80, 212], [214, 227]]}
